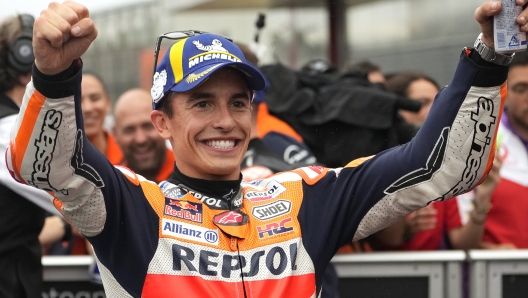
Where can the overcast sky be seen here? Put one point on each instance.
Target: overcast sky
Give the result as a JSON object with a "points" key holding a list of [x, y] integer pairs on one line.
{"points": [[34, 7]]}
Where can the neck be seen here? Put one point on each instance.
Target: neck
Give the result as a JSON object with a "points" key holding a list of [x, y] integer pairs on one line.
{"points": [[17, 94], [99, 141], [214, 188]]}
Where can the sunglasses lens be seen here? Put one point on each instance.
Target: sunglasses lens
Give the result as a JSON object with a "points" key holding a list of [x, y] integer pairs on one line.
{"points": [[176, 35]]}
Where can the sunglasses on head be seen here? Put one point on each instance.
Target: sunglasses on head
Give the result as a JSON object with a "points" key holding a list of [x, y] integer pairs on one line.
{"points": [[175, 35]]}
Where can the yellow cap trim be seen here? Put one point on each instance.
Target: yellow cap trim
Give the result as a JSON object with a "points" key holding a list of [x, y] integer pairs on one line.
{"points": [[176, 60]]}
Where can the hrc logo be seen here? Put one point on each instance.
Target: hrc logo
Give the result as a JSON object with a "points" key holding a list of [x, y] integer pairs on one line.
{"points": [[274, 228]]}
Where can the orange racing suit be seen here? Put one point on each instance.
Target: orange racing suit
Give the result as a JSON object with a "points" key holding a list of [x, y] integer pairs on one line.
{"points": [[268, 238]]}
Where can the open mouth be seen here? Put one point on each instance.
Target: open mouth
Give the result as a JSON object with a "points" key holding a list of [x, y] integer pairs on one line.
{"points": [[221, 144]]}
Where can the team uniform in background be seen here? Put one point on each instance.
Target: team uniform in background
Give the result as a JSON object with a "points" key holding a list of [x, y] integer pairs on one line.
{"points": [[268, 238], [113, 151], [506, 220]]}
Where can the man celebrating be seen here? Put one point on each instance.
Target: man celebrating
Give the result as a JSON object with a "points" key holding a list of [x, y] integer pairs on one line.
{"points": [[204, 232], [144, 149]]}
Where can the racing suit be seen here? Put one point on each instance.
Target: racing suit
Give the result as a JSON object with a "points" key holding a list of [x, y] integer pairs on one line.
{"points": [[274, 237]]}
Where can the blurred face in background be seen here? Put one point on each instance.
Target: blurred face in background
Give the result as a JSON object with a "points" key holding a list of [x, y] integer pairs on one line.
{"points": [[425, 92], [517, 99], [95, 105], [143, 147]]}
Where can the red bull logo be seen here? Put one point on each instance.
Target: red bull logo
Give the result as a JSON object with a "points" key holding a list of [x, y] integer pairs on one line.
{"points": [[183, 209]]}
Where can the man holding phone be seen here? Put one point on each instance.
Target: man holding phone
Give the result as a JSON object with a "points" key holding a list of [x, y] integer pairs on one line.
{"points": [[204, 232]]}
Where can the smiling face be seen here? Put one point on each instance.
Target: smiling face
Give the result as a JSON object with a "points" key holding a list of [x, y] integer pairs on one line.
{"points": [[144, 149], [95, 105], [210, 126]]}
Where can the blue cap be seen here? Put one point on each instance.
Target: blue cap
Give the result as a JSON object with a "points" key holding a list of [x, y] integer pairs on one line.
{"points": [[190, 61]]}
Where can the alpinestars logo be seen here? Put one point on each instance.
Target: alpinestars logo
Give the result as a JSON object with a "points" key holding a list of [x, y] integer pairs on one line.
{"points": [[423, 174], [44, 154], [484, 119]]}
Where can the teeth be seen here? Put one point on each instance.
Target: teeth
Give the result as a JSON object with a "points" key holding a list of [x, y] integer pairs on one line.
{"points": [[221, 144]]}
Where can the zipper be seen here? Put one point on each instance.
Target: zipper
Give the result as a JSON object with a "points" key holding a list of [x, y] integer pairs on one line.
{"points": [[241, 272]]}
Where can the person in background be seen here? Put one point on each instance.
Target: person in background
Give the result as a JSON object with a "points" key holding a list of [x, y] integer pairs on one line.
{"points": [[373, 71], [25, 228], [96, 105], [417, 86], [144, 149], [505, 226]]}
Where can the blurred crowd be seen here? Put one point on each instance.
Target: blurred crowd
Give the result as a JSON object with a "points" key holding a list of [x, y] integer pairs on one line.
{"points": [[322, 115]]}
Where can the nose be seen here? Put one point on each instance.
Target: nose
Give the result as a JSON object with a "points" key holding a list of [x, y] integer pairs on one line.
{"points": [[223, 119], [140, 137]]}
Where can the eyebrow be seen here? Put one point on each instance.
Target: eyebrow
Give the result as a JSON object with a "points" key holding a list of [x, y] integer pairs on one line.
{"points": [[519, 84], [205, 95], [244, 95], [200, 95]]}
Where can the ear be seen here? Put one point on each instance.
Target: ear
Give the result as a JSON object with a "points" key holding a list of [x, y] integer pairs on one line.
{"points": [[160, 121]]}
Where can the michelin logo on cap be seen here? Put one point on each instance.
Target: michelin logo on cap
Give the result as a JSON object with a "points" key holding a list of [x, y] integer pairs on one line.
{"points": [[160, 80], [216, 46], [213, 51]]}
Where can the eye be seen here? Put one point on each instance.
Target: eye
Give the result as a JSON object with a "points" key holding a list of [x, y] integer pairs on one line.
{"points": [[201, 104], [95, 97], [240, 104], [520, 88]]}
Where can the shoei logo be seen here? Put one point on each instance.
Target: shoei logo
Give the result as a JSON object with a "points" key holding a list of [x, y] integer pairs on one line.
{"points": [[272, 210], [213, 51]]}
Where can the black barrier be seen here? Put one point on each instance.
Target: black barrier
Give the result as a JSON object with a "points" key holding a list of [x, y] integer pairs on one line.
{"points": [[384, 287], [514, 286]]}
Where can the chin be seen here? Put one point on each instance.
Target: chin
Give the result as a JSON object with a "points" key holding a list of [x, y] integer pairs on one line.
{"points": [[225, 170]]}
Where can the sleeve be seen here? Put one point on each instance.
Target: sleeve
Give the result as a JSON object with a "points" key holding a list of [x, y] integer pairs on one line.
{"points": [[50, 151], [37, 197], [450, 155], [107, 204]]}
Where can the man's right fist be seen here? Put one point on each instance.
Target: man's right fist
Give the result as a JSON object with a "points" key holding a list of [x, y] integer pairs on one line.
{"points": [[61, 34]]}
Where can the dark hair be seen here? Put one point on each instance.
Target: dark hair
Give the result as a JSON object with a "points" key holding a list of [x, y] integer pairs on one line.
{"points": [[97, 77], [366, 65], [520, 59], [165, 104], [399, 82], [10, 28]]}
